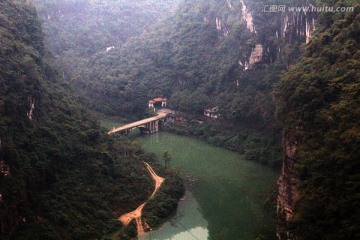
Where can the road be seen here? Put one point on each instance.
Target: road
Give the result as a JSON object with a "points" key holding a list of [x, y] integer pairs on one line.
{"points": [[137, 213]]}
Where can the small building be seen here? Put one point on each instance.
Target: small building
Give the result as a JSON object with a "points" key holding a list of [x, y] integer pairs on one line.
{"points": [[212, 112], [157, 102]]}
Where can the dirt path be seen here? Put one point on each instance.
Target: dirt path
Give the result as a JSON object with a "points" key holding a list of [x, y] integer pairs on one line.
{"points": [[137, 213], [158, 180]]}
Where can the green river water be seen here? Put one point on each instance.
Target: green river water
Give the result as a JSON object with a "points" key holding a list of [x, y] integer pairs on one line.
{"points": [[226, 194]]}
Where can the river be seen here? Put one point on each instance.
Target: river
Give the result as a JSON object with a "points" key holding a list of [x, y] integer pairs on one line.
{"points": [[226, 198], [225, 194]]}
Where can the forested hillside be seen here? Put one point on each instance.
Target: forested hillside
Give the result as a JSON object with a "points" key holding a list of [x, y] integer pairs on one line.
{"points": [[206, 54], [224, 53], [197, 57], [81, 28], [227, 53], [76, 30], [319, 107], [61, 176]]}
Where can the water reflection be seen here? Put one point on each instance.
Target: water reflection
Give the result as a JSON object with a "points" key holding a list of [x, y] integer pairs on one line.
{"points": [[188, 224]]}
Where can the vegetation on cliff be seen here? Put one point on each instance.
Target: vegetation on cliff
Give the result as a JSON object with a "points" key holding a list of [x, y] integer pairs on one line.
{"points": [[61, 176], [319, 107]]}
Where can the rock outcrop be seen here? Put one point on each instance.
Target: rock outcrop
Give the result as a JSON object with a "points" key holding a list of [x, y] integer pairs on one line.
{"points": [[287, 184]]}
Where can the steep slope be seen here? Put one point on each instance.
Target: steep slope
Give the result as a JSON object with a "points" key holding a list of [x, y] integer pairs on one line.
{"points": [[319, 107], [77, 29], [209, 53], [61, 176], [81, 28], [207, 48]]}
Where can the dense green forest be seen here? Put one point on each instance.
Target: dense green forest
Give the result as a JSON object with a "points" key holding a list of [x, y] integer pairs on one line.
{"points": [[198, 56], [319, 107], [76, 30], [81, 28], [270, 74], [197, 64], [61, 177]]}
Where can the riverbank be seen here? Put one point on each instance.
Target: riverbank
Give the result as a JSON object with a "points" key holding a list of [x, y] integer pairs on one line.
{"points": [[126, 218], [158, 209], [162, 203]]}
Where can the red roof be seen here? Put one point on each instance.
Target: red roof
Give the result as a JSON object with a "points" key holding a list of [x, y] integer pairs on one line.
{"points": [[159, 99]]}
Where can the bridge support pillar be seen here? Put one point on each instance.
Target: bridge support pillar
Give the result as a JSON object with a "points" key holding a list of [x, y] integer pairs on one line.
{"points": [[151, 127]]}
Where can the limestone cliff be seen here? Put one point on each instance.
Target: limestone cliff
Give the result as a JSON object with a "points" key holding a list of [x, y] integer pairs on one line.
{"points": [[318, 185], [287, 185]]}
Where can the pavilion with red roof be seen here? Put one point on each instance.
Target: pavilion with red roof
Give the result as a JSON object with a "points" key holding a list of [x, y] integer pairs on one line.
{"points": [[153, 102]]}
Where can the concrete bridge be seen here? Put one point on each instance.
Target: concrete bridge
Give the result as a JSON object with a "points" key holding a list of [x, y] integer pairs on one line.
{"points": [[147, 125]]}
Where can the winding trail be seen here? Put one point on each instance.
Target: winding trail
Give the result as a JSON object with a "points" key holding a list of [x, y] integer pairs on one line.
{"points": [[137, 213]]}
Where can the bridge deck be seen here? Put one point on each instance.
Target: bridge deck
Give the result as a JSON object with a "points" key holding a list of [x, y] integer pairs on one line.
{"points": [[129, 126]]}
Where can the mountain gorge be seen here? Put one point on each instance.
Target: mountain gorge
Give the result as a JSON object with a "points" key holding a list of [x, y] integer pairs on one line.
{"points": [[286, 85], [209, 53], [61, 176]]}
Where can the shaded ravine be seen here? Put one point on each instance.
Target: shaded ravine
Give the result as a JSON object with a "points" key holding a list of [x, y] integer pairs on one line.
{"points": [[137, 213]]}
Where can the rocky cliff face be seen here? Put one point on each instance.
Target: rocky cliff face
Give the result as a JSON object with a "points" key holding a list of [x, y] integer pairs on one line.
{"points": [[289, 28], [318, 185], [287, 183], [298, 24], [295, 27]]}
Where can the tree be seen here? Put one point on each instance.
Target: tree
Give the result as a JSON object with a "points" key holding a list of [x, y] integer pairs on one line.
{"points": [[167, 158]]}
